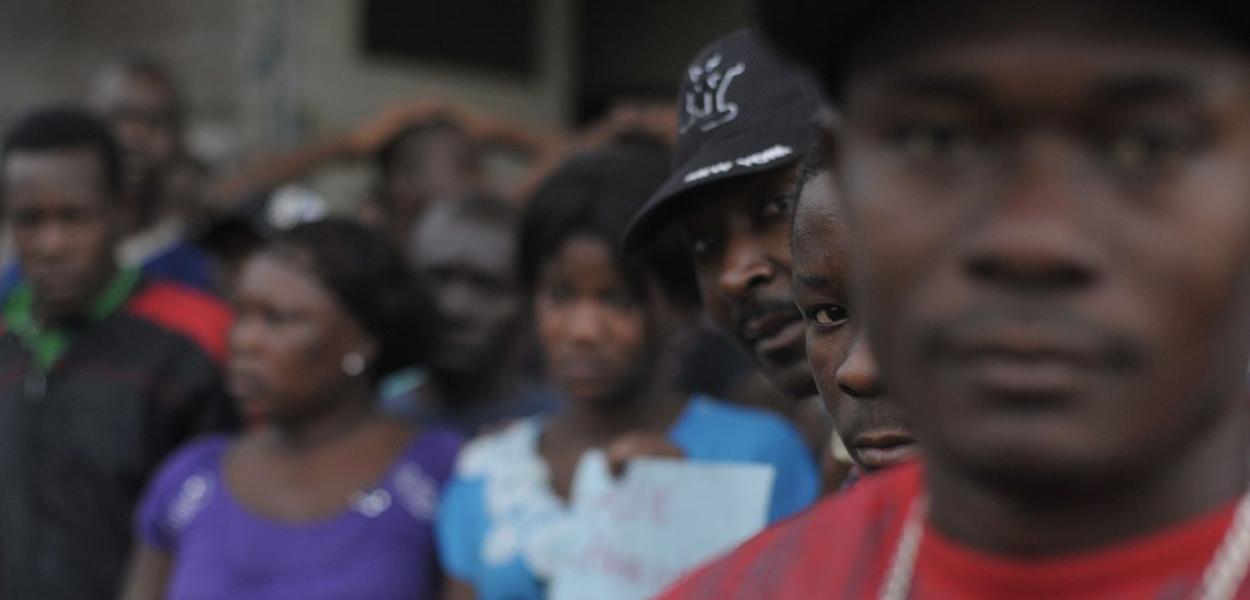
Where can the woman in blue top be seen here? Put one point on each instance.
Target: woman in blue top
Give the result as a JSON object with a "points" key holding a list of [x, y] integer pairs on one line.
{"points": [[606, 327]]}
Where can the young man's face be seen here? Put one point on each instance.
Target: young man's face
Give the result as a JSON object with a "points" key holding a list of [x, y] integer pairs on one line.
{"points": [[140, 109], [64, 225], [1055, 230], [468, 266], [870, 424], [739, 235]]}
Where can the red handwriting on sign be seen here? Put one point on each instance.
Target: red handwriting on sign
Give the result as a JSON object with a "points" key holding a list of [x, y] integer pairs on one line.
{"points": [[636, 570], [650, 504]]}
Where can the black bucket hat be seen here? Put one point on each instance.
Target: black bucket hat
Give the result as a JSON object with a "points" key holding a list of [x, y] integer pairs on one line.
{"points": [[741, 110]]}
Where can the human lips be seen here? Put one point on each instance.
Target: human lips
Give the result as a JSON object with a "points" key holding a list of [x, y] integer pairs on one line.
{"points": [[1027, 359], [581, 368], [773, 331], [878, 449], [245, 382]]}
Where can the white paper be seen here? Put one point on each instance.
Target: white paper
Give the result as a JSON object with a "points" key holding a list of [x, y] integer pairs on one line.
{"points": [[665, 517]]}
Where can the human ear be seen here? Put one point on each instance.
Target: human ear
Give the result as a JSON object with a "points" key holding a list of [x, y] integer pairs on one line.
{"points": [[831, 132]]}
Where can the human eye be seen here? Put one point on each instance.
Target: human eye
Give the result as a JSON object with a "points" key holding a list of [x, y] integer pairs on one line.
{"points": [[26, 218], [620, 299], [1146, 147], [826, 316], [702, 244], [274, 317], [934, 141], [778, 206], [558, 294], [77, 216]]}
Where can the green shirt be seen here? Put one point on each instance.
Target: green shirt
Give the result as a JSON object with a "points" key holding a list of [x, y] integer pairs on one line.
{"points": [[49, 343]]}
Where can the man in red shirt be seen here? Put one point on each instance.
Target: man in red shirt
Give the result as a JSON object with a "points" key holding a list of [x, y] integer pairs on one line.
{"points": [[1050, 207]]}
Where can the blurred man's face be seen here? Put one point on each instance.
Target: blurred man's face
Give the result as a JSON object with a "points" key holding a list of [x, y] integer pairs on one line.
{"points": [[1054, 222], [140, 111], [64, 226], [469, 268], [739, 235]]}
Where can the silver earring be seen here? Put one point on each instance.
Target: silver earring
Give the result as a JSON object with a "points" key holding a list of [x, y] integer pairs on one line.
{"points": [[353, 364]]}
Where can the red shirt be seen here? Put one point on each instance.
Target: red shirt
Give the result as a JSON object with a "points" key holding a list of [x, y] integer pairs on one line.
{"points": [[842, 546]]}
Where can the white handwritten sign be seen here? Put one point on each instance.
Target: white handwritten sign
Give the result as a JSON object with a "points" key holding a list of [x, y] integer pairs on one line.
{"points": [[662, 519]]}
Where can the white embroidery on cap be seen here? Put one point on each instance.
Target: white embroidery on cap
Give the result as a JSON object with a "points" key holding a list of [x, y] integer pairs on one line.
{"points": [[763, 157], [706, 106], [708, 171]]}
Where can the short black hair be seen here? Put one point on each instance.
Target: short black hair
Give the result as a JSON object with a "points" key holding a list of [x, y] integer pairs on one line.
{"points": [[596, 193], [373, 283], [66, 128], [824, 34]]}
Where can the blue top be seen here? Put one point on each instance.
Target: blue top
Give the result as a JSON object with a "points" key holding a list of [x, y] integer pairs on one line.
{"points": [[382, 547], [497, 522]]}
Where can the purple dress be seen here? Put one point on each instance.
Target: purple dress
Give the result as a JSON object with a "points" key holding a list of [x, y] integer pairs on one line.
{"points": [[382, 547]]}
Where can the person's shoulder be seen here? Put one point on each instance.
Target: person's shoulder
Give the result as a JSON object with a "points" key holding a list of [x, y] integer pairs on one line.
{"points": [[203, 451], [199, 456], [437, 448], [181, 249], [183, 486], [422, 469], [193, 314], [508, 449], [442, 439], [494, 471], [743, 427], [834, 549], [725, 413], [182, 261]]}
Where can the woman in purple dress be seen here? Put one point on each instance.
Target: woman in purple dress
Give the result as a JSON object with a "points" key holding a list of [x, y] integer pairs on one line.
{"points": [[322, 497]]}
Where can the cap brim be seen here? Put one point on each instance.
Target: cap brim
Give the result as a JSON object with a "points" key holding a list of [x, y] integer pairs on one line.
{"points": [[722, 161]]}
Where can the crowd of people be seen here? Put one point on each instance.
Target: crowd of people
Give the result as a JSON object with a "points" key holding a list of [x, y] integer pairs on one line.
{"points": [[970, 282]]}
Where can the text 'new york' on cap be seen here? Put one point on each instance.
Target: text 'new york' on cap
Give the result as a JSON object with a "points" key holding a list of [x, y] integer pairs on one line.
{"points": [[741, 110]]}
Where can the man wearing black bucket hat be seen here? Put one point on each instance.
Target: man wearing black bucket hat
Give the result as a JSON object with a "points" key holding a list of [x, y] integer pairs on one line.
{"points": [[1051, 213], [747, 120]]}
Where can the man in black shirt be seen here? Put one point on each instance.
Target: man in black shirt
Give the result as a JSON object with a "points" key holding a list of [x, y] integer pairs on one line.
{"points": [[101, 372]]}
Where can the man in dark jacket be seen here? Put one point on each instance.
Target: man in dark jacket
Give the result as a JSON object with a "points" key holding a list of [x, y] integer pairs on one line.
{"points": [[101, 372]]}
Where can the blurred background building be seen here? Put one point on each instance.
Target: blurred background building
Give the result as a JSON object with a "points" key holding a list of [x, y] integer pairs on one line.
{"points": [[261, 76]]}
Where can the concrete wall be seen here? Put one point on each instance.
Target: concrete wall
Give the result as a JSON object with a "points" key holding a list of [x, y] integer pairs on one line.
{"points": [[326, 82], [260, 75], [50, 48], [263, 75]]}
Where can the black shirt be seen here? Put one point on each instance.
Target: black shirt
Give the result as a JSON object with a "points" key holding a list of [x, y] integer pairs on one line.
{"points": [[79, 439]]}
